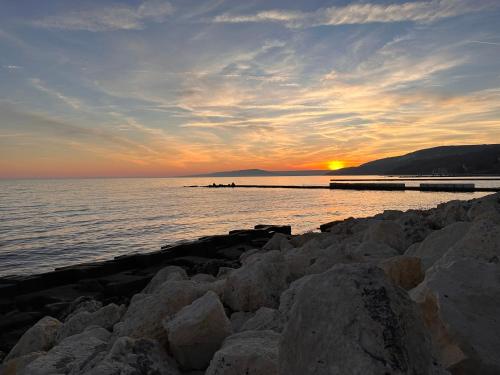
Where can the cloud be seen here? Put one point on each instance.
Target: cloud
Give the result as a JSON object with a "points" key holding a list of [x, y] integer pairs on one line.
{"points": [[72, 102], [363, 13], [111, 17]]}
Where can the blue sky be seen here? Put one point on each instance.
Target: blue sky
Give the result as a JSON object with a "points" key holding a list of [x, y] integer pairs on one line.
{"points": [[151, 88]]}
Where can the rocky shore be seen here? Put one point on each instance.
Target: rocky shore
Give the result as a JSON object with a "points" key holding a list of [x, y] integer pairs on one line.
{"points": [[414, 292]]}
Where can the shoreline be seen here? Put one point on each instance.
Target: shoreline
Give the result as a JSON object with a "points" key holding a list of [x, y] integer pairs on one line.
{"points": [[269, 278]]}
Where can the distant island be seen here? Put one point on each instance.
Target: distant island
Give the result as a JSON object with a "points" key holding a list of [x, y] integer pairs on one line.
{"points": [[464, 160], [261, 173], [440, 161]]}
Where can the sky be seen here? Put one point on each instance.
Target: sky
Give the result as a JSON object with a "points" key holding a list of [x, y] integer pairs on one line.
{"points": [[163, 88]]}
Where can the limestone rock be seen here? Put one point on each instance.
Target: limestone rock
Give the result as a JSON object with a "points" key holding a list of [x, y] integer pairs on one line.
{"points": [[204, 278], [83, 303], [368, 251], [448, 213], [259, 282], [403, 271], [485, 208], [197, 331], [105, 317], [134, 356], [278, 241], [40, 337], [143, 318], [387, 232], [250, 352], [17, 366], [71, 354], [461, 307], [264, 319], [436, 244], [350, 320], [165, 274], [239, 318]]}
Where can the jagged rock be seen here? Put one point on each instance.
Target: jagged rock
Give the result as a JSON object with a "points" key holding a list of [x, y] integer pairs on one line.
{"points": [[350, 320], [300, 259], [248, 253], [17, 366], [106, 317], [264, 319], [204, 278], [368, 251], [134, 356], [278, 241], [83, 303], [143, 318], [197, 331], [169, 273], [250, 352], [415, 226], [482, 241], [71, 354], [39, 338], [287, 298], [259, 282], [223, 272], [436, 244], [387, 232], [485, 208], [448, 213], [239, 318], [403, 271], [461, 306]]}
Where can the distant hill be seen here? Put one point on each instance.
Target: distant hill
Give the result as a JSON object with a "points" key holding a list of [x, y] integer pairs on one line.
{"points": [[261, 173], [443, 160]]}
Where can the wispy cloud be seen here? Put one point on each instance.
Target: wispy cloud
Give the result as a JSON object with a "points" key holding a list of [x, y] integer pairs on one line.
{"points": [[72, 102], [109, 17], [363, 13]]}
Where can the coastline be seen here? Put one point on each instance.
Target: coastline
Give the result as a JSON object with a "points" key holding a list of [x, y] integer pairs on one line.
{"points": [[403, 253]]}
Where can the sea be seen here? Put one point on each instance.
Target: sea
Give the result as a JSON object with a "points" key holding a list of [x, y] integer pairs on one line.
{"points": [[50, 223]]}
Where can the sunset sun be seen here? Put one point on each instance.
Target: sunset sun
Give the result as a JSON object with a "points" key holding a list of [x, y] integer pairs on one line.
{"points": [[335, 164]]}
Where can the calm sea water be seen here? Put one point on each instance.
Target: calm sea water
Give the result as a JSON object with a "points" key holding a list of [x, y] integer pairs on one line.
{"points": [[46, 224]]}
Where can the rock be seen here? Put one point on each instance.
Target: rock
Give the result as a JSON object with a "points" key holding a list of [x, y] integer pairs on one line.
{"points": [[259, 282], [436, 244], [279, 242], [106, 317], [143, 318], [485, 208], [246, 255], [448, 213], [71, 354], [134, 356], [350, 320], [223, 272], [239, 318], [415, 226], [387, 232], [369, 251], [461, 306], [197, 331], [168, 273], [482, 241], [250, 352], [39, 338], [204, 278], [17, 366], [403, 271], [264, 319], [83, 303], [300, 259]]}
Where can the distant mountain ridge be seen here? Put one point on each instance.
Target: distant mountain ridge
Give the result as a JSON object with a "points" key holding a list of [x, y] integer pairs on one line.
{"points": [[442, 160], [261, 173]]}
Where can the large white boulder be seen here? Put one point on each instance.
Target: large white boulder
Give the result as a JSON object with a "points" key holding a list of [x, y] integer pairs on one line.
{"points": [[448, 213], [485, 208], [461, 306], [197, 331], [351, 320], [250, 352], [132, 357], [106, 317], [72, 354], [278, 241], [144, 316], [436, 244], [169, 273], [17, 365], [259, 282], [387, 232], [370, 251], [39, 338]]}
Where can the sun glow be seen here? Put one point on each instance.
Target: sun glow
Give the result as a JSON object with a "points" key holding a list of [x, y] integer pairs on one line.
{"points": [[335, 164]]}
